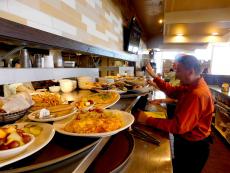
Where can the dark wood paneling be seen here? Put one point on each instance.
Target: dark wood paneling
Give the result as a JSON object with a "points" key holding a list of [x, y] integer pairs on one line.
{"points": [[25, 35]]}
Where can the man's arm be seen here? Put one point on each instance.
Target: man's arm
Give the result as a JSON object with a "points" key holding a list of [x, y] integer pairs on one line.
{"points": [[171, 91], [182, 122], [159, 101]]}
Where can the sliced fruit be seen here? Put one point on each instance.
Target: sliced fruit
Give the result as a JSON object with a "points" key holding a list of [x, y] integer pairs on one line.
{"points": [[35, 130], [14, 136], [2, 141], [3, 147], [10, 129], [26, 129], [13, 144], [2, 133], [26, 138]]}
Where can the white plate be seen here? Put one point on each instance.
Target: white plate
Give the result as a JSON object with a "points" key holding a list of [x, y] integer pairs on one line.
{"points": [[141, 90], [127, 118], [86, 108], [117, 91], [33, 118], [40, 141], [104, 106]]}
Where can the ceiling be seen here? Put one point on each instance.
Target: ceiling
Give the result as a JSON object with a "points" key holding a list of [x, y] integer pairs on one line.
{"points": [[199, 28], [149, 12], [197, 21]]}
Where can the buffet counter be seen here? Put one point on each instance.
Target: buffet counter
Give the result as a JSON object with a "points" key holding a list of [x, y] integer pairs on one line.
{"points": [[137, 155], [222, 111], [216, 88], [145, 157], [149, 157]]}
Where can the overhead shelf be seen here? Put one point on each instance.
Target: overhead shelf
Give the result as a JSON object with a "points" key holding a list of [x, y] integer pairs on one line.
{"points": [[28, 36], [11, 75]]}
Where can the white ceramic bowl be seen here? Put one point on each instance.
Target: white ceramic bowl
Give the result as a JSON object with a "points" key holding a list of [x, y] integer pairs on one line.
{"points": [[5, 154], [54, 89], [67, 85]]}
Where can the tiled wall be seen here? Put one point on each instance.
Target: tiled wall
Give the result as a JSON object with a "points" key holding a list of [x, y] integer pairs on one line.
{"points": [[95, 22]]}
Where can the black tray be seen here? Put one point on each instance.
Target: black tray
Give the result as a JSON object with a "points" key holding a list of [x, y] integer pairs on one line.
{"points": [[114, 155]]}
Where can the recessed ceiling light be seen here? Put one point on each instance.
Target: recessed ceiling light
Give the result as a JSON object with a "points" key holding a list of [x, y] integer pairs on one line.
{"points": [[215, 33], [179, 34], [160, 21]]}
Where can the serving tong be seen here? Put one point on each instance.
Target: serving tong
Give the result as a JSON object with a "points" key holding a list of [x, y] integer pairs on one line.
{"points": [[141, 134]]}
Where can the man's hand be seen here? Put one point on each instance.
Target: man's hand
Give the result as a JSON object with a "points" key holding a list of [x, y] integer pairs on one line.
{"points": [[150, 82], [150, 70], [159, 101], [155, 101]]}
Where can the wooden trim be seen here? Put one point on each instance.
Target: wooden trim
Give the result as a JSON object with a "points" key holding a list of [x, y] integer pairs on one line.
{"points": [[25, 35]]}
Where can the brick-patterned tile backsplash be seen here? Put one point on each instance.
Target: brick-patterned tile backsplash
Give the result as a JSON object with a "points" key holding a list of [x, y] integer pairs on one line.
{"points": [[96, 22]]}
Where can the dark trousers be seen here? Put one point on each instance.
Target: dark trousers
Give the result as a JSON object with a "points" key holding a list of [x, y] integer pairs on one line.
{"points": [[190, 157]]}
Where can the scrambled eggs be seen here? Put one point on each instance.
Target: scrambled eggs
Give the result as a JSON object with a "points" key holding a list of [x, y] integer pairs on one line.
{"points": [[96, 121]]}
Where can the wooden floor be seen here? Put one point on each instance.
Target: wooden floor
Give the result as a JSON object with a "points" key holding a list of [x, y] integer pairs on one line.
{"points": [[219, 159]]}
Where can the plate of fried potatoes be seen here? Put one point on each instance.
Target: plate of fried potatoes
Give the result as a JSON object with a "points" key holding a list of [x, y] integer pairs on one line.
{"points": [[45, 99], [52, 113]]}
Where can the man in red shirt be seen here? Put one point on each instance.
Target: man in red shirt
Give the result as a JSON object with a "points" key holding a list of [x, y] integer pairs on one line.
{"points": [[191, 123]]}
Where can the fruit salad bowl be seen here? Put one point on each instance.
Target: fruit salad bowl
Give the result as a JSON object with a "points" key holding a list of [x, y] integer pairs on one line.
{"points": [[15, 142]]}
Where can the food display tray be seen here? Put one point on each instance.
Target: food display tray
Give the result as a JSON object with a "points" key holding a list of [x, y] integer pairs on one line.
{"points": [[60, 148], [114, 154]]}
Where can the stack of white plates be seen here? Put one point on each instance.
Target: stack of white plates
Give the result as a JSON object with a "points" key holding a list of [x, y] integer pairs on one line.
{"points": [[85, 82]]}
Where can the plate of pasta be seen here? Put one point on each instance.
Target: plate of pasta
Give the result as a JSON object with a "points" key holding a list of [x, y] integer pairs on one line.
{"points": [[95, 123]]}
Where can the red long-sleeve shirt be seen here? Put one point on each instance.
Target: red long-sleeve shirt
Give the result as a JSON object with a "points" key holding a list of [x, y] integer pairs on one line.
{"points": [[193, 113]]}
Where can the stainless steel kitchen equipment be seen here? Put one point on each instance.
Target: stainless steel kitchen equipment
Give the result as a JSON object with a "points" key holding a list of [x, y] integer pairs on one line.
{"points": [[38, 62], [69, 64], [25, 60], [57, 58]]}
